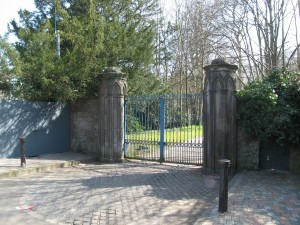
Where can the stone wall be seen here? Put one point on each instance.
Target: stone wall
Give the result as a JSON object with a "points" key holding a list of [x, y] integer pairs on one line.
{"points": [[248, 154], [98, 123], [247, 151], [294, 159], [84, 126]]}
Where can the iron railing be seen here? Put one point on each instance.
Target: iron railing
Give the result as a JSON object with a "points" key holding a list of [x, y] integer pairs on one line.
{"points": [[164, 128]]}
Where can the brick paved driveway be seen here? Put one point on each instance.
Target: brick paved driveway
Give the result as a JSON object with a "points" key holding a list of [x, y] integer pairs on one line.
{"points": [[267, 197], [128, 193]]}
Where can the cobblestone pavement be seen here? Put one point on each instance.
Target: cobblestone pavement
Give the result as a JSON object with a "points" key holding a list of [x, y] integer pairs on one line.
{"points": [[261, 197], [147, 193], [128, 193]]}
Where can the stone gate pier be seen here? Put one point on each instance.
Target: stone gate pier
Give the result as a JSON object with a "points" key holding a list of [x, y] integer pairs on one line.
{"points": [[219, 107], [112, 90]]}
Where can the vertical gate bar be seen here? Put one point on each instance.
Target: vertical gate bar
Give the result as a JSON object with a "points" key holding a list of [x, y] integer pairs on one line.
{"points": [[153, 100], [201, 123], [175, 133], [165, 127], [198, 111], [194, 142], [172, 105], [191, 128], [191, 101], [178, 128], [144, 147], [137, 131], [187, 130], [147, 126], [175, 113], [159, 122], [181, 124], [135, 136], [154, 128], [162, 128], [173, 125], [183, 112], [153, 125], [197, 150], [151, 128], [157, 129], [201, 127], [129, 112], [199, 114], [192, 104], [187, 124], [196, 123], [139, 113], [125, 126]]}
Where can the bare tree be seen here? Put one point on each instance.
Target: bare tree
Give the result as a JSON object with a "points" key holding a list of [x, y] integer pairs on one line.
{"points": [[261, 34], [194, 44], [257, 35]]}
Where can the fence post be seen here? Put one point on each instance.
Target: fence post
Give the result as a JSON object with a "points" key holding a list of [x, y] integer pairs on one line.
{"points": [[162, 129], [23, 154], [223, 194]]}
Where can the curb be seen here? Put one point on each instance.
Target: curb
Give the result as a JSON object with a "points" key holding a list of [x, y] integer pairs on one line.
{"points": [[42, 168]]}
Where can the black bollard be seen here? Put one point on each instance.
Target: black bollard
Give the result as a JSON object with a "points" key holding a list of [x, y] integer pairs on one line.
{"points": [[223, 194], [23, 156]]}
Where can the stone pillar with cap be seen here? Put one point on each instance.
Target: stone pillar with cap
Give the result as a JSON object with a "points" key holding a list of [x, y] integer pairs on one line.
{"points": [[219, 108], [112, 90]]}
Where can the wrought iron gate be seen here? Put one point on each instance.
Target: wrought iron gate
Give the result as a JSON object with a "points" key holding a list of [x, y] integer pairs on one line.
{"points": [[164, 128]]}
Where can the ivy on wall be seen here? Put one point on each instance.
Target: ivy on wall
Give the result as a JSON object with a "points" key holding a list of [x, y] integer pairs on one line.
{"points": [[270, 109]]}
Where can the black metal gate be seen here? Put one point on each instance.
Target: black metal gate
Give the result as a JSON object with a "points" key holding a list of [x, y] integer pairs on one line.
{"points": [[164, 128]]}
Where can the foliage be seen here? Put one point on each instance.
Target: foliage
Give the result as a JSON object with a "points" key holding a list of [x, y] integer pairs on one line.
{"points": [[9, 65], [270, 109], [133, 124], [93, 34]]}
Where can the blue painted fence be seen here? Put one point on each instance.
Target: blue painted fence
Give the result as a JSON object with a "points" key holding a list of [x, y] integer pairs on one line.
{"points": [[46, 126]]}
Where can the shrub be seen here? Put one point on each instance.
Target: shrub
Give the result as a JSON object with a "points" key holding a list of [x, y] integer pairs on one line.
{"points": [[133, 124], [270, 109]]}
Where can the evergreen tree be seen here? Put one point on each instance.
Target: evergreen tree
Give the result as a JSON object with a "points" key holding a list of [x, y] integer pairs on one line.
{"points": [[93, 34], [9, 67]]}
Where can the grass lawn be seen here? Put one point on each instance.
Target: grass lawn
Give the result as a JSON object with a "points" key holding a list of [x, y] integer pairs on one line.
{"points": [[181, 134]]}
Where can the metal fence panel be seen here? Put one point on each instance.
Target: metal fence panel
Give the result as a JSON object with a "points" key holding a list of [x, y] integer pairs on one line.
{"points": [[164, 128]]}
